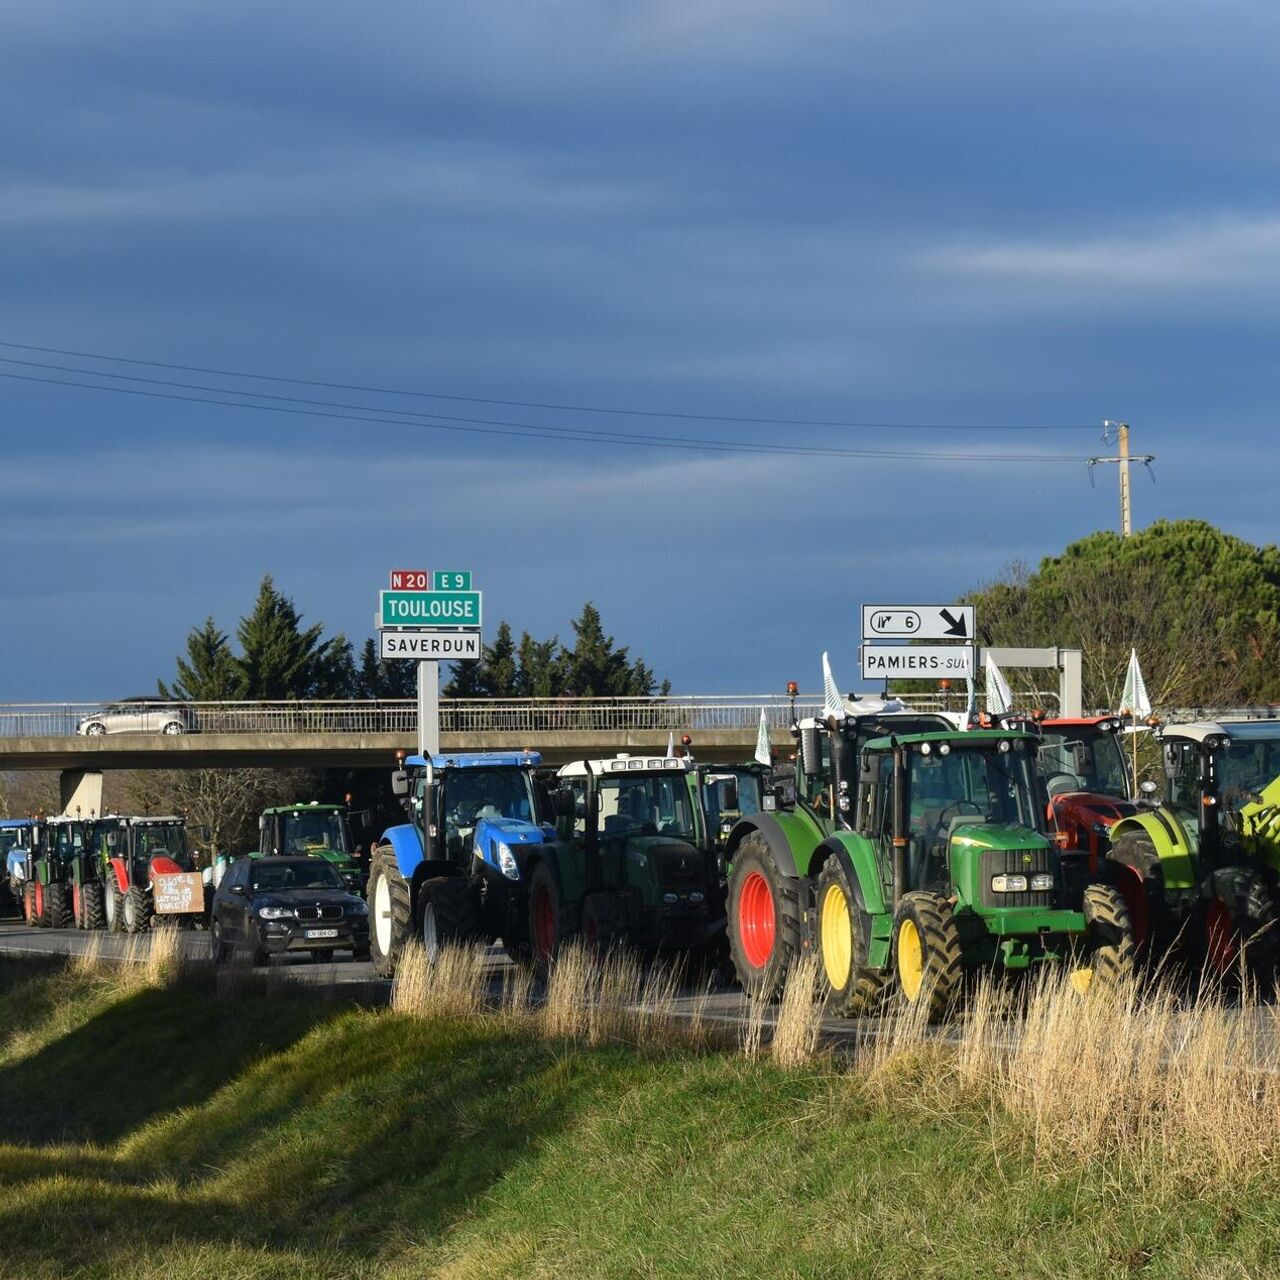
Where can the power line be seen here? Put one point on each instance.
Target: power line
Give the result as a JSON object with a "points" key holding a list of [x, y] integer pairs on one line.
{"points": [[534, 404], [536, 431]]}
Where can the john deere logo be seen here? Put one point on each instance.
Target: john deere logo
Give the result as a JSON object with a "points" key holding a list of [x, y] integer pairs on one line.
{"points": [[1027, 858]]}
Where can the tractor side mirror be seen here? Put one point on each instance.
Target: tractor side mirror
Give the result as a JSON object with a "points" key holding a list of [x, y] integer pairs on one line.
{"points": [[728, 794], [867, 771], [563, 802], [810, 752], [400, 783], [1172, 758]]}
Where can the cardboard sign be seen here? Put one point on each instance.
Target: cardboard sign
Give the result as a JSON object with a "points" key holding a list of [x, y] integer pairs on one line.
{"points": [[181, 894]]}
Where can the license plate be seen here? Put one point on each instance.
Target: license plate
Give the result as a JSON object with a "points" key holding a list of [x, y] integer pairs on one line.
{"points": [[322, 933]]}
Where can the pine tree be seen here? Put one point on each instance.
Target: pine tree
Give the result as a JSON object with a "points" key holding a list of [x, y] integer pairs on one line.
{"points": [[595, 668], [540, 667], [467, 680], [500, 673], [380, 678], [278, 658], [209, 672]]}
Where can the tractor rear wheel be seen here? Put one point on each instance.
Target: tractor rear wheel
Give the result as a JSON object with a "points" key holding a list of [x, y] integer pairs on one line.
{"points": [[40, 910], [55, 898], [926, 954], [29, 903], [550, 920], [136, 912], [1133, 867], [93, 914], [605, 922], [1107, 958], [449, 908], [764, 919], [844, 938], [1236, 930], [390, 911]]}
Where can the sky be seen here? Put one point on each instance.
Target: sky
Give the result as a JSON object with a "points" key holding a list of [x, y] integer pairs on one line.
{"points": [[989, 216]]}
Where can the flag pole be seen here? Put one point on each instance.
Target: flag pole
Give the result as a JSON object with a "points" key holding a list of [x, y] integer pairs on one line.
{"points": [[1135, 754]]}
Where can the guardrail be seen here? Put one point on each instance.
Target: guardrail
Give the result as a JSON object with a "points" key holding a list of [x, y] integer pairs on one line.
{"points": [[690, 713]]}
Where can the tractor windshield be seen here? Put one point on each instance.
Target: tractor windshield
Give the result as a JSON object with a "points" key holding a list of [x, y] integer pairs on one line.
{"points": [[1081, 758], [315, 831], [471, 794], [977, 783], [1245, 767], [11, 839], [730, 792], [656, 805], [69, 838], [162, 840]]}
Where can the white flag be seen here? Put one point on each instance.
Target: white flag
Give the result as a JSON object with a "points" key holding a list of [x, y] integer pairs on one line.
{"points": [[999, 695], [970, 713], [763, 753], [832, 702], [1134, 701], [671, 744]]}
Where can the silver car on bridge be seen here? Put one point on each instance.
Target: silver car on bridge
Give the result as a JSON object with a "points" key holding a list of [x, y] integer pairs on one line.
{"points": [[138, 715]]}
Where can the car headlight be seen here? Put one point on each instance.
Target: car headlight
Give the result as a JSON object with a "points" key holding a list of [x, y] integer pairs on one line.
{"points": [[358, 908], [275, 913], [1008, 884], [507, 861], [1041, 883]]}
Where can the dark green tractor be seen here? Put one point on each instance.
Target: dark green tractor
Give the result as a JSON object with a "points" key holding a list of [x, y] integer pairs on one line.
{"points": [[314, 829], [64, 843], [930, 860]]}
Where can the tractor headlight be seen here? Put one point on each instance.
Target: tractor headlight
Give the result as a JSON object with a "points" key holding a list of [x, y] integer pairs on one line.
{"points": [[1008, 884], [275, 913], [507, 861], [1041, 883], [670, 898], [695, 897]]}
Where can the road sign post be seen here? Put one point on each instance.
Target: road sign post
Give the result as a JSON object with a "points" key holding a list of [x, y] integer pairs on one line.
{"points": [[428, 708]]}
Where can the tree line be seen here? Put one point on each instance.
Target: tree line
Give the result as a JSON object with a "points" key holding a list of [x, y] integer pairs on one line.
{"points": [[277, 657]]}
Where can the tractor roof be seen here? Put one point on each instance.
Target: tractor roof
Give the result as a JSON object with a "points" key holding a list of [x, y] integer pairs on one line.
{"points": [[304, 806], [1075, 722], [972, 738], [1238, 731], [625, 765], [8, 824], [479, 760]]}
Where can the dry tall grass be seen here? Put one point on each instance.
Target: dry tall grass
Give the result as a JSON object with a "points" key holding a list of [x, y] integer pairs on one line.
{"points": [[454, 985]]}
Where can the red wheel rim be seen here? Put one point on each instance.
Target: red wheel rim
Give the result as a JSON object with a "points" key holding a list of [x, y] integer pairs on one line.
{"points": [[29, 906], [591, 932], [544, 923], [1219, 938], [76, 910], [757, 920], [39, 906], [1133, 889]]}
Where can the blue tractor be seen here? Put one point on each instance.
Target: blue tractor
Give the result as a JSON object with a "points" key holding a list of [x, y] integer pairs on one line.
{"points": [[18, 836], [458, 871]]}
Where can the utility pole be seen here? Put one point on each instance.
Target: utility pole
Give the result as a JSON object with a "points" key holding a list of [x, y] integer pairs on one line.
{"points": [[1122, 460]]}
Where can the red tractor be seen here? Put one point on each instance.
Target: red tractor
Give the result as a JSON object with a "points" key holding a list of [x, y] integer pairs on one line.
{"points": [[1088, 779]]}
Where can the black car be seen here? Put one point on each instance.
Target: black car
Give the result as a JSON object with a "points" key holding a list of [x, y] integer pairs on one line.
{"points": [[272, 905]]}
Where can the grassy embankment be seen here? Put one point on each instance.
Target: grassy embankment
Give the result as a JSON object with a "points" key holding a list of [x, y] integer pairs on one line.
{"points": [[155, 1128]]}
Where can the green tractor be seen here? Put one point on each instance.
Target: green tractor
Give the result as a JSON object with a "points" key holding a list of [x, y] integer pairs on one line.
{"points": [[929, 860], [1199, 871], [727, 793], [631, 865], [319, 830], [46, 901]]}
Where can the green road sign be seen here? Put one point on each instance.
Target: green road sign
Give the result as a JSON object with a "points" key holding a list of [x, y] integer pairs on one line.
{"points": [[452, 580], [434, 608]]}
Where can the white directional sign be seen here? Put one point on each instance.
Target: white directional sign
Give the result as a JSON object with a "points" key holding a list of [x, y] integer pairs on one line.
{"points": [[917, 661], [431, 646], [917, 622]]}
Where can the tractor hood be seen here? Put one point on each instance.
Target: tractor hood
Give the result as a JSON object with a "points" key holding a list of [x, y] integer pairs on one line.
{"points": [[996, 835], [1260, 825], [662, 865], [1088, 807], [499, 843]]}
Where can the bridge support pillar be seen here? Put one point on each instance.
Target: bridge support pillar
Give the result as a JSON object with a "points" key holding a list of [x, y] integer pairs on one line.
{"points": [[81, 791]]}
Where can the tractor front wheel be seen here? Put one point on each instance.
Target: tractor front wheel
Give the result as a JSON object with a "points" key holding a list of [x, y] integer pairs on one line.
{"points": [[764, 920], [926, 954], [1133, 867], [1108, 957], [1236, 930], [449, 908], [115, 907], [852, 989], [93, 913], [390, 911], [55, 899], [137, 910]]}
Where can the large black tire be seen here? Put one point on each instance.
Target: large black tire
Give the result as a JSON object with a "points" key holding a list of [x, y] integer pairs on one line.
{"points": [[114, 903], [764, 919], [1133, 867], [449, 909], [1107, 957], [551, 920], [605, 922], [927, 960], [852, 989], [57, 908], [219, 948], [93, 910], [1236, 930], [137, 910], [390, 911]]}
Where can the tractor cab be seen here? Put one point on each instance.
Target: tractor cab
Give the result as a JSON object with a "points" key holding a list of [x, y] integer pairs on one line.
{"points": [[17, 836], [60, 844], [133, 853], [314, 830], [1088, 780], [728, 793], [638, 863]]}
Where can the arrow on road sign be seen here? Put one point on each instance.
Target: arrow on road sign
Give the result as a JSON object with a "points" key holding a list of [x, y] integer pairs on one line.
{"points": [[955, 626]]}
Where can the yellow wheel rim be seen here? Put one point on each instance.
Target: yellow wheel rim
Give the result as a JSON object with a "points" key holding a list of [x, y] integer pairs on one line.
{"points": [[910, 959], [1081, 980], [837, 937]]}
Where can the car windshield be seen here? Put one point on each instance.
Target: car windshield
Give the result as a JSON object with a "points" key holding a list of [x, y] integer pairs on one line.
{"points": [[313, 832], [981, 783], [167, 840], [1245, 767], [304, 873], [655, 805], [1081, 758]]}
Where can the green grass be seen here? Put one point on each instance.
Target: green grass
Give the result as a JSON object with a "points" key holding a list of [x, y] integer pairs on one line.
{"points": [[168, 1133]]}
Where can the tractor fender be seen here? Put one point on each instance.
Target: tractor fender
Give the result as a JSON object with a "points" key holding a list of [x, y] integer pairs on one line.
{"points": [[791, 837], [1165, 831], [858, 857], [406, 845], [122, 876]]}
